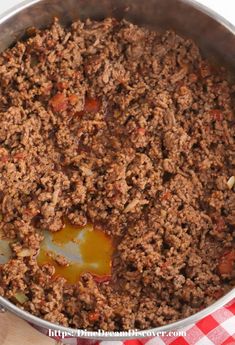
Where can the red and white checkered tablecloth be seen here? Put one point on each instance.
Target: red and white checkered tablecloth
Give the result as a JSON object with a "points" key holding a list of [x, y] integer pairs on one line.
{"points": [[217, 328]]}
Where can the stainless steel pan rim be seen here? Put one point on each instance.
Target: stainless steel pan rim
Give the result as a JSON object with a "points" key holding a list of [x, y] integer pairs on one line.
{"points": [[150, 332], [7, 305], [24, 4]]}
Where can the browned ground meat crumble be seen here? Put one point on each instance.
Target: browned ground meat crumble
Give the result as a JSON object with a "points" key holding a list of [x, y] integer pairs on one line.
{"points": [[113, 124]]}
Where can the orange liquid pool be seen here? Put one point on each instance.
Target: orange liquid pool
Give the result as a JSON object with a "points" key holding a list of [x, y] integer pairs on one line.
{"points": [[93, 246]]}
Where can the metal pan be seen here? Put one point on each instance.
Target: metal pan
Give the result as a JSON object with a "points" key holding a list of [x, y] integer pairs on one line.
{"points": [[214, 35]]}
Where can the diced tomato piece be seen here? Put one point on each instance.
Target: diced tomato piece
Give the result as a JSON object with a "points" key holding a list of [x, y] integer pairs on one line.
{"points": [[141, 131], [216, 114], [193, 77], [227, 262], [31, 212], [101, 279], [225, 267], [92, 105], [73, 99], [231, 255], [59, 102], [50, 43], [79, 113], [20, 155], [166, 195], [165, 265], [94, 316], [62, 85]]}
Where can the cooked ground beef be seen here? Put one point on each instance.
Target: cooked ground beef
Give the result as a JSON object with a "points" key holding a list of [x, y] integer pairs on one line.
{"points": [[113, 124]]}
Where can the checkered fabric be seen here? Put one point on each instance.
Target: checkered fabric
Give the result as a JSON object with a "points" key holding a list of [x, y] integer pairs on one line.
{"points": [[215, 329]]}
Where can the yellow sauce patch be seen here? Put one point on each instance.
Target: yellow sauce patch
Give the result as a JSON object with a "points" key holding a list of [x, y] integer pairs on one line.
{"points": [[86, 249]]}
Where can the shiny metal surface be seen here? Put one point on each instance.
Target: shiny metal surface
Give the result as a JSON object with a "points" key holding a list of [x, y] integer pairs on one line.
{"points": [[2, 310], [214, 35]]}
